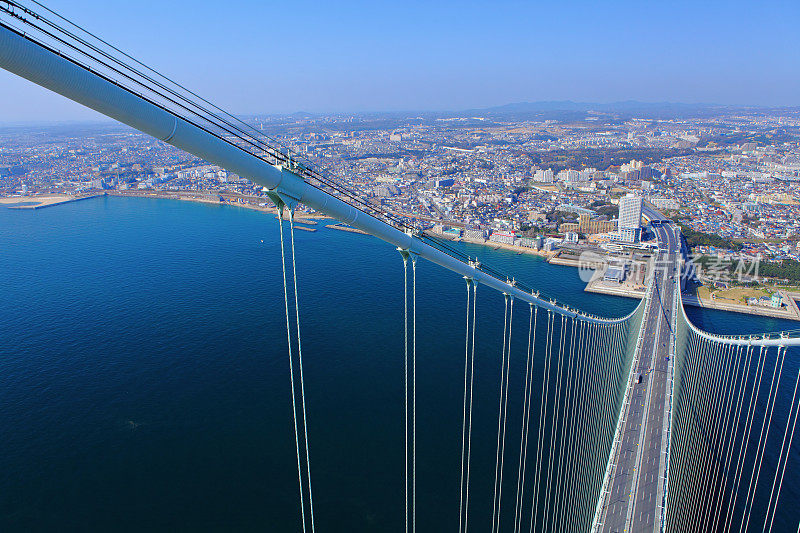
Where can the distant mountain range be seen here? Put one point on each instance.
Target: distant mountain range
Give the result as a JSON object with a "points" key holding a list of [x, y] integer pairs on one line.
{"points": [[628, 108]]}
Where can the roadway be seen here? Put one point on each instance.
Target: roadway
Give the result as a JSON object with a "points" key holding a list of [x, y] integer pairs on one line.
{"points": [[636, 486]]}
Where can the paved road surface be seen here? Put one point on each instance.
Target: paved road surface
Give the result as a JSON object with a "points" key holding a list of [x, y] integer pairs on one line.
{"points": [[637, 479]]}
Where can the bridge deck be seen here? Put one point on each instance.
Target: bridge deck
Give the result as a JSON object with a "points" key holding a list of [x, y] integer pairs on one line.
{"points": [[636, 485]]}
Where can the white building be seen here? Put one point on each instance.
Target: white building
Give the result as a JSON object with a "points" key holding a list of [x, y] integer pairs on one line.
{"points": [[544, 176], [630, 217], [505, 237]]}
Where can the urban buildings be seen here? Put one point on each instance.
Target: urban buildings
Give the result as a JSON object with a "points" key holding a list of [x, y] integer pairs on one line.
{"points": [[630, 218], [534, 176]]}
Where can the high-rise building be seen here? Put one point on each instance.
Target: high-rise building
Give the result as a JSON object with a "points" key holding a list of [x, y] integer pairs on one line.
{"points": [[544, 176], [630, 217]]}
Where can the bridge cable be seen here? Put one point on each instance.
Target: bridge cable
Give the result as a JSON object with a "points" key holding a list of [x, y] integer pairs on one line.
{"points": [[291, 371], [606, 421], [414, 396], [147, 82], [464, 413], [610, 392], [471, 381], [698, 383], [466, 429], [590, 462], [564, 427], [773, 396], [722, 411], [587, 460], [589, 364], [734, 431], [708, 429], [500, 409], [300, 365], [554, 432], [405, 375], [575, 422], [704, 451], [719, 483], [780, 456], [542, 418], [687, 421], [523, 420], [412, 419], [703, 405], [504, 409], [745, 439], [677, 461], [231, 127], [728, 427], [526, 410]]}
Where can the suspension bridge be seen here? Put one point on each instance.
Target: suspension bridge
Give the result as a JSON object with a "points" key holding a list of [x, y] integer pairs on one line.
{"points": [[635, 423]]}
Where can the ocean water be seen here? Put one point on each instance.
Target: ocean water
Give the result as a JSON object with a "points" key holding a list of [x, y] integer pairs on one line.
{"points": [[144, 380]]}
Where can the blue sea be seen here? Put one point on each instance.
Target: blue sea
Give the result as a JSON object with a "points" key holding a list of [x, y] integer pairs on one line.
{"points": [[144, 382]]}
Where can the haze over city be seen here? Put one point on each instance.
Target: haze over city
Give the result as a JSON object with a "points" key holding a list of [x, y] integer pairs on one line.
{"points": [[260, 57]]}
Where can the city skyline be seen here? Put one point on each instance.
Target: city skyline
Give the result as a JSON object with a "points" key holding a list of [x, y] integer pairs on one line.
{"points": [[352, 58]]}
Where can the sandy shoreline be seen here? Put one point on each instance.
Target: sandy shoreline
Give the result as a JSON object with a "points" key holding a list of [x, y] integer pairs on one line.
{"points": [[509, 247], [229, 200], [38, 202]]}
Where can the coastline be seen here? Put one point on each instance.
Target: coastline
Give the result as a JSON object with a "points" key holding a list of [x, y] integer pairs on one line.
{"points": [[230, 199], [509, 247], [594, 286], [787, 314], [40, 202]]}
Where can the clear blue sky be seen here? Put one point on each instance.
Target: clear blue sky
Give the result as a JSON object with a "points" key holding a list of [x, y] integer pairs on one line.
{"points": [[340, 56]]}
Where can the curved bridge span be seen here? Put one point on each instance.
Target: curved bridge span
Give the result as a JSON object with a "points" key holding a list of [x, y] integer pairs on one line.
{"points": [[638, 423]]}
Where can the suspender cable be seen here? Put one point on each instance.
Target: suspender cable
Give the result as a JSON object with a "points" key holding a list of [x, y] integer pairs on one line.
{"points": [[414, 394], [574, 423], [718, 396], [469, 425], [464, 414], [717, 483], [745, 439], [552, 451], [565, 430], [404, 253], [734, 431], [542, 419], [522, 423], [526, 410], [727, 424], [706, 450], [780, 456], [773, 396], [300, 365], [291, 372], [410, 414], [504, 409], [500, 411]]}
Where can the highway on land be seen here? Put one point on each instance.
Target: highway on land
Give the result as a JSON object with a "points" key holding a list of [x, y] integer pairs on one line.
{"points": [[636, 488]]}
